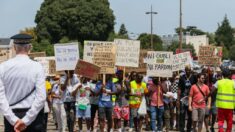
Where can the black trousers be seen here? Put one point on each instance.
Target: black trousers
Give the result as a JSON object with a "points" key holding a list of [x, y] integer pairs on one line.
{"points": [[183, 111], [38, 125], [70, 110]]}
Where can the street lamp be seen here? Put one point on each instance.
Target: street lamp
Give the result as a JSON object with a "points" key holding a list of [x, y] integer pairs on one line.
{"points": [[151, 14], [180, 35]]}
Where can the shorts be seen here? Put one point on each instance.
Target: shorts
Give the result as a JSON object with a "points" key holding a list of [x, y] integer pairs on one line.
{"points": [[105, 112], [121, 112], [198, 114], [83, 113]]}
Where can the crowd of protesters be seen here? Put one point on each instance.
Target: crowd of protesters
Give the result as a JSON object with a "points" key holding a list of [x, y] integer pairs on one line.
{"points": [[182, 103]]}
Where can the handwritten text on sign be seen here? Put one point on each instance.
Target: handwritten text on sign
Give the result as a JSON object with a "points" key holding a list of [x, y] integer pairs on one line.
{"points": [[89, 47], [104, 57], [159, 64], [127, 52], [66, 56], [159, 57], [180, 60]]}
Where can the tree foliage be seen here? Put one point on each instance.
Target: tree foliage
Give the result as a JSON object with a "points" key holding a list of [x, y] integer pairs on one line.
{"points": [[191, 30], [224, 34], [175, 45], [145, 41], [123, 31], [232, 53], [44, 45], [75, 19]]}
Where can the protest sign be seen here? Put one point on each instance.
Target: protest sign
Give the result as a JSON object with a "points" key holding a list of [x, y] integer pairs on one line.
{"points": [[66, 56], [32, 55], [89, 47], [159, 64], [45, 62], [4, 55], [181, 60], [87, 69], [104, 56], [127, 52], [210, 55], [142, 66]]}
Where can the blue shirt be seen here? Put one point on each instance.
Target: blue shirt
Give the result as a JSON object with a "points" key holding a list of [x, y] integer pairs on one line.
{"points": [[104, 99]]}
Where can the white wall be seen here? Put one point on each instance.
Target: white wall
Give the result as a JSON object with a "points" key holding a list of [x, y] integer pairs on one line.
{"points": [[196, 41]]}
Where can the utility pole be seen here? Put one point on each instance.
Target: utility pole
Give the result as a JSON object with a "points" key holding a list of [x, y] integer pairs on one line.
{"points": [[151, 14], [180, 35]]}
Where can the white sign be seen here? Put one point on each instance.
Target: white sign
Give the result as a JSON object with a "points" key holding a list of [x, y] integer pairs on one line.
{"points": [[128, 52], [66, 56], [89, 49], [181, 60], [159, 64], [44, 61], [159, 57]]}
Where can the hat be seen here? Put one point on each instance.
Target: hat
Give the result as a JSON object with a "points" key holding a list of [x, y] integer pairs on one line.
{"points": [[22, 38]]}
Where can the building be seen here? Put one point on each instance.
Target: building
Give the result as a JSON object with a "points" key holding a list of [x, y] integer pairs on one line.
{"points": [[196, 41], [6, 49]]}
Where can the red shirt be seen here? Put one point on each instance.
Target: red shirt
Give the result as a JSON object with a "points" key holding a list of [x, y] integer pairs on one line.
{"points": [[197, 95], [156, 95]]}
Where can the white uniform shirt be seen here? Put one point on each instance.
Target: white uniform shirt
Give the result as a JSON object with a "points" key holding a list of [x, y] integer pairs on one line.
{"points": [[18, 76]]}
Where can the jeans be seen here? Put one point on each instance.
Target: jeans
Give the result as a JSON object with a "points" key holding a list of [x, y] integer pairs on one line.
{"points": [[156, 112]]}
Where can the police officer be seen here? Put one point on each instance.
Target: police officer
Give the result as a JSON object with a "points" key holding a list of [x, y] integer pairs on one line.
{"points": [[22, 90]]}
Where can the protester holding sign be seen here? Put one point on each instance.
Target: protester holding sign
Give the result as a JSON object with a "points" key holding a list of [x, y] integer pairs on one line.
{"points": [[156, 104], [105, 92], [70, 80]]}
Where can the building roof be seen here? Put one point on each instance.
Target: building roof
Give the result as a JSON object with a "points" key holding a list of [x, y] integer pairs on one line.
{"points": [[5, 43]]}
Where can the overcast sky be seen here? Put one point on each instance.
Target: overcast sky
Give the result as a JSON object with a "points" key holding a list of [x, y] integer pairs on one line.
{"points": [[205, 14]]}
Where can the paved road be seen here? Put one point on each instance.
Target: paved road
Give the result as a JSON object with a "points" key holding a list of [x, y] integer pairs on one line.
{"points": [[51, 126]]}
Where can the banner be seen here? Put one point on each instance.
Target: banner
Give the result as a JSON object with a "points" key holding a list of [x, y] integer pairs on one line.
{"points": [[32, 55], [142, 66], [181, 60], [210, 55], [127, 52], [66, 56], [45, 62], [87, 69], [159, 64], [89, 47], [104, 56]]}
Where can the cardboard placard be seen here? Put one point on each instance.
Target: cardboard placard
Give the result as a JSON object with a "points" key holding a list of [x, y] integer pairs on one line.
{"points": [[66, 56], [46, 62], [210, 55], [127, 52], [181, 60], [159, 63], [89, 48], [87, 69], [105, 57], [32, 55], [142, 66], [4, 55]]}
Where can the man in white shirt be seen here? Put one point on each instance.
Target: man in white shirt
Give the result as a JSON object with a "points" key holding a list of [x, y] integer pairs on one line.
{"points": [[22, 90]]}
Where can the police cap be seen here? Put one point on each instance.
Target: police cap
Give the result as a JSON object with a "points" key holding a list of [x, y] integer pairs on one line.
{"points": [[22, 38]]}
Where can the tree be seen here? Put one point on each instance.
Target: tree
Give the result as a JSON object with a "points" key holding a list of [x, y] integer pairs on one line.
{"points": [[191, 30], [211, 37], [123, 31], [175, 45], [232, 53], [224, 34], [44, 45], [75, 19], [145, 41], [30, 31]]}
